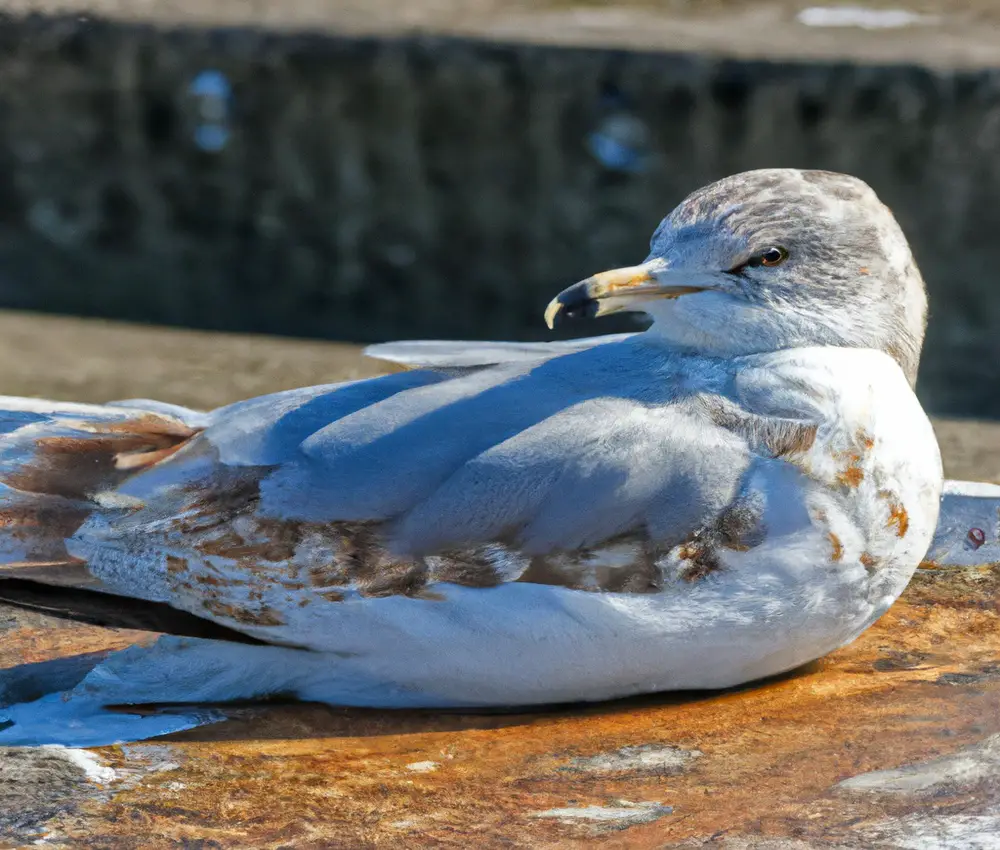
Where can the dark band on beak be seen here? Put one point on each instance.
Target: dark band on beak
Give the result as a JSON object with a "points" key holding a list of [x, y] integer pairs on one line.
{"points": [[575, 302]]}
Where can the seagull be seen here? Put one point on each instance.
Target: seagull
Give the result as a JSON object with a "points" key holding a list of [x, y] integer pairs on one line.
{"points": [[741, 488]]}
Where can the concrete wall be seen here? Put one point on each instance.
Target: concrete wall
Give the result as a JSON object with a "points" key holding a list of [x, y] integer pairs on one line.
{"points": [[377, 188]]}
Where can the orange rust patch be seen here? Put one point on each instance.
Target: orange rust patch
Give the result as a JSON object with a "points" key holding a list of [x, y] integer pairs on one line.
{"points": [[853, 475], [838, 547], [898, 516], [900, 519], [864, 270], [868, 561]]}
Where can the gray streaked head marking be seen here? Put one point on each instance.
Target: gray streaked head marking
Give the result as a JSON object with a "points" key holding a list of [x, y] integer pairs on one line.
{"points": [[849, 278]]}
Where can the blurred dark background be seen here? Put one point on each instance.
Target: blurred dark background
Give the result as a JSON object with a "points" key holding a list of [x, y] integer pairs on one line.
{"points": [[363, 171]]}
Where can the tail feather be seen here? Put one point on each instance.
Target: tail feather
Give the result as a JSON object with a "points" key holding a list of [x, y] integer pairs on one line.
{"points": [[58, 464]]}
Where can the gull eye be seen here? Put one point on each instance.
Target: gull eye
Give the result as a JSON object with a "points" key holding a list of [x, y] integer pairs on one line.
{"points": [[773, 256]]}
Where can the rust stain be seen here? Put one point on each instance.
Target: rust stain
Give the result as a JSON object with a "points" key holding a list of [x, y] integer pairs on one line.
{"points": [[900, 519], [853, 475], [838, 547], [868, 561], [864, 270], [898, 516], [916, 686], [34, 643]]}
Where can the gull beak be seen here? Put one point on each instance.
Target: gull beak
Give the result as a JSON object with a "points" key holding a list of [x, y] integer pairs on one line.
{"points": [[616, 290]]}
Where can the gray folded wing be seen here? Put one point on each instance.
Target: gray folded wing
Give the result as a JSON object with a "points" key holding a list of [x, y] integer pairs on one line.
{"points": [[555, 454]]}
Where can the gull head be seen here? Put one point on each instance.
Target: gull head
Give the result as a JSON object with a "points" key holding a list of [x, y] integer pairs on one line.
{"points": [[767, 260]]}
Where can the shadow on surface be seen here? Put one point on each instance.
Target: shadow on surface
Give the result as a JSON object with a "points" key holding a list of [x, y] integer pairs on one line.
{"points": [[280, 719], [286, 718]]}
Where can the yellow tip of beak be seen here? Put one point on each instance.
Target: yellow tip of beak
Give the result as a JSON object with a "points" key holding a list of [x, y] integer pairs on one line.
{"points": [[551, 312]]}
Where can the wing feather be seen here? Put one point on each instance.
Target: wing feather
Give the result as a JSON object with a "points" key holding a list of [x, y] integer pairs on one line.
{"points": [[465, 354], [381, 461]]}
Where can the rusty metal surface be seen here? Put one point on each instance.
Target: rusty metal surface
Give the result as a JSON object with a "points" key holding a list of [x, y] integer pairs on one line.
{"points": [[772, 766], [765, 761]]}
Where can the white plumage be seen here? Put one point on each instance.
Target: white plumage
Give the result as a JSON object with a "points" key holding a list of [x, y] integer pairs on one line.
{"points": [[740, 489]]}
